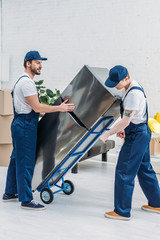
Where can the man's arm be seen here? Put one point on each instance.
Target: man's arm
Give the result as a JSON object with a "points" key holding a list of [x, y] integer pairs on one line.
{"points": [[33, 101], [120, 126]]}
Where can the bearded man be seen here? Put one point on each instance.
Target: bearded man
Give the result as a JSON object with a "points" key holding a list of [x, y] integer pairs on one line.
{"points": [[27, 108]]}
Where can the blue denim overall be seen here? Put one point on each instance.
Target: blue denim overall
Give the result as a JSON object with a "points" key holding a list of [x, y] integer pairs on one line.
{"points": [[21, 167], [134, 159]]}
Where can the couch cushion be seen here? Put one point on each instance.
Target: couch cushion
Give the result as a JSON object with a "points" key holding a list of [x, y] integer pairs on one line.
{"points": [[98, 148]]}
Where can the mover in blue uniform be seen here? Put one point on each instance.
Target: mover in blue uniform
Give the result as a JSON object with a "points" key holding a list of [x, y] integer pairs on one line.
{"points": [[134, 157], [24, 133]]}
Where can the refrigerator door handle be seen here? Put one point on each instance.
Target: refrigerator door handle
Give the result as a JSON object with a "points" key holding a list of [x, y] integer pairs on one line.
{"points": [[75, 118]]}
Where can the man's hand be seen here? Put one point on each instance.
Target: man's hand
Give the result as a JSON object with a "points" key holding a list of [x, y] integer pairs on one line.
{"points": [[121, 134], [33, 101], [105, 136], [64, 107]]}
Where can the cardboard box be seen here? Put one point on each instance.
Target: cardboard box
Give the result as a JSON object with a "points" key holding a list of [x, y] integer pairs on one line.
{"points": [[6, 106], [5, 153], [155, 144], [5, 129], [156, 165]]}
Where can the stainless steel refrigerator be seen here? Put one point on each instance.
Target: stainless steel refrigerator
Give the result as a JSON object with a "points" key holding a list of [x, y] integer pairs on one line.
{"points": [[60, 132]]}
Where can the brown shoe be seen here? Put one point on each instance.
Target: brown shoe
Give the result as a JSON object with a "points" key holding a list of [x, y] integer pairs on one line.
{"points": [[150, 209], [114, 215]]}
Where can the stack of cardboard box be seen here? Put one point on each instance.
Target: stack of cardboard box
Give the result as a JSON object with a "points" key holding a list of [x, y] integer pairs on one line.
{"points": [[6, 117], [155, 144]]}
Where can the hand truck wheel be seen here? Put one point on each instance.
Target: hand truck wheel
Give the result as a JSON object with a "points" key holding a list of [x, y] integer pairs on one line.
{"points": [[46, 195], [69, 187]]}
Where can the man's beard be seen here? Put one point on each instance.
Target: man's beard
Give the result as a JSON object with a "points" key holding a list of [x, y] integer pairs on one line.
{"points": [[35, 71]]}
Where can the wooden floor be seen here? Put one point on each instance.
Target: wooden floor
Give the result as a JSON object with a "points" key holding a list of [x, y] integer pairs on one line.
{"points": [[79, 216]]}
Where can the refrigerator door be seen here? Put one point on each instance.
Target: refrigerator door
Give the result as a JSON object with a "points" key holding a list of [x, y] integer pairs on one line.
{"points": [[59, 132]]}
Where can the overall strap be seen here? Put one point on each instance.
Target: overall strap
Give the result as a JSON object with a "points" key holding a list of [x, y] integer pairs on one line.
{"points": [[132, 88], [17, 82], [136, 88], [12, 93]]}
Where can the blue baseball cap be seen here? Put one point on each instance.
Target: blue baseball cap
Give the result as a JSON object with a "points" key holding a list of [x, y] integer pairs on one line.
{"points": [[116, 74], [33, 55]]}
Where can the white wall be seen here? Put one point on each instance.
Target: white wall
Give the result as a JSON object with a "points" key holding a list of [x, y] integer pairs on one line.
{"points": [[72, 33]]}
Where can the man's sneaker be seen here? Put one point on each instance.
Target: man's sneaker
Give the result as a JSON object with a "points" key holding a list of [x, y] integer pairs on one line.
{"points": [[114, 215], [31, 205], [9, 197], [150, 209]]}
